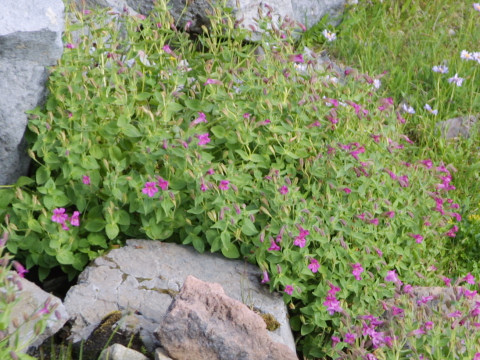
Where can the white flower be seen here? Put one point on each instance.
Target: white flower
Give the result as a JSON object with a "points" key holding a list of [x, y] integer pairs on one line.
{"points": [[408, 109], [430, 110], [377, 83], [476, 56], [440, 69], [457, 80], [330, 36], [464, 54]]}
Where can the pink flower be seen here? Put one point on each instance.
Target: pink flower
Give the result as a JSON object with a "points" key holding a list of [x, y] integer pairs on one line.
{"points": [[298, 58], [457, 216], [212, 82], [357, 270], [265, 278], [75, 219], [392, 276], [150, 189], [376, 138], [397, 311], [424, 299], [335, 340], [203, 187], [403, 180], [289, 289], [273, 246], [283, 190], [210, 171], [224, 184], [469, 279], [349, 338], [418, 238], [203, 139], [447, 281], [477, 355], [59, 215], [355, 153], [300, 241], [200, 119], [455, 314], [162, 183], [70, 46], [390, 214], [453, 231], [373, 221], [167, 49], [428, 163], [20, 269], [332, 304], [428, 325], [407, 288], [333, 289], [86, 179], [314, 265], [347, 190]]}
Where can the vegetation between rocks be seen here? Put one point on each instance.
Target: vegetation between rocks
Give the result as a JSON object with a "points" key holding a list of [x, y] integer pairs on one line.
{"points": [[334, 184]]}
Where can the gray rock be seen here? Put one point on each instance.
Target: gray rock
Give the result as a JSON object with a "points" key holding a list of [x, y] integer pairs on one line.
{"points": [[30, 40], [31, 300], [160, 355], [456, 127], [203, 321], [120, 352], [143, 278], [307, 12]]}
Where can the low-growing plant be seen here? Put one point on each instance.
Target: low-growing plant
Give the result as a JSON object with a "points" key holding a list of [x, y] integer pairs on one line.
{"points": [[270, 157], [13, 342]]}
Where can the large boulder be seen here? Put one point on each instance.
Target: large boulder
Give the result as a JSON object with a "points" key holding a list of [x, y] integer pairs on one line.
{"points": [[203, 321], [144, 277], [307, 12], [30, 40], [32, 303]]}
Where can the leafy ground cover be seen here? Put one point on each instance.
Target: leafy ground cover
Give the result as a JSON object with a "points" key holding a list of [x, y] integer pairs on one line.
{"points": [[344, 197]]}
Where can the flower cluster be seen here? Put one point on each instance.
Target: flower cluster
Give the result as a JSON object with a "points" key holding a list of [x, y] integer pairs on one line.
{"points": [[331, 302], [61, 217]]}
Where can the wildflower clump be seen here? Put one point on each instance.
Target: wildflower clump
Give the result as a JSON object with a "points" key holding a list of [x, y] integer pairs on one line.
{"points": [[276, 159]]}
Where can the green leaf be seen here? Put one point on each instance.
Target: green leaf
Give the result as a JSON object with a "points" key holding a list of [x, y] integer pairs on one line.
{"points": [[34, 225], [248, 228], [174, 107], [112, 230], [65, 256], [24, 181], [42, 175], [230, 251], [122, 217], [218, 131], [198, 244], [193, 104], [131, 131], [94, 225], [6, 197], [97, 240]]}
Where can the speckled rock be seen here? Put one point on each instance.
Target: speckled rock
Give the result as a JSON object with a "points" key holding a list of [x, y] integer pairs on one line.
{"points": [[144, 277]]}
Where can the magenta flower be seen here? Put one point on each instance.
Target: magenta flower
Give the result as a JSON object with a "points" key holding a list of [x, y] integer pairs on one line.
{"points": [[407, 288], [332, 304], [396, 311], [314, 265], [357, 271], [224, 184], [447, 281], [392, 276], [418, 238], [289, 289], [347, 190], [355, 153], [333, 289], [477, 355], [403, 181], [265, 278], [203, 187], [75, 219], [455, 314], [162, 183], [70, 46], [428, 163], [283, 190], [212, 82], [167, 49], [59, 215], [373, 221], [299, 241], [203, 139], [298, 58], [20, 269], [273, 246], [469, 279], [200, 119], [453, 231], [390, 214], [349, 338], [376, 138], [150, 189], [86, 179], [335, 340], [424, 299]]}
